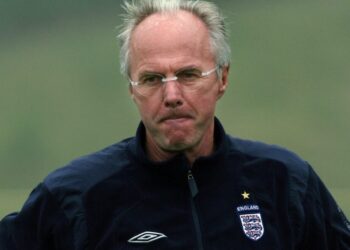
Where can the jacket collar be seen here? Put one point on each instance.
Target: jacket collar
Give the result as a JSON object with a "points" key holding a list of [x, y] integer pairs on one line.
{"points": [[177, 167]]}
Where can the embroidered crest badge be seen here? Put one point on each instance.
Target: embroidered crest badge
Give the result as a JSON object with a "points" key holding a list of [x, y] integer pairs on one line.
{"points": [[252, 225], [251, 220]]}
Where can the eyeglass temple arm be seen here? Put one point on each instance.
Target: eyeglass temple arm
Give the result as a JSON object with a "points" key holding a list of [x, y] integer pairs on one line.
{"points": [[210, 71]]}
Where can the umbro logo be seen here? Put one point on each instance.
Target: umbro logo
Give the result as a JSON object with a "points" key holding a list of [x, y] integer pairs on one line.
{"points": [[146, 237]]}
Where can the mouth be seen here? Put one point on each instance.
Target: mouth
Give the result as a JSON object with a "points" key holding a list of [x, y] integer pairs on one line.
{"points": [[175, 118]]}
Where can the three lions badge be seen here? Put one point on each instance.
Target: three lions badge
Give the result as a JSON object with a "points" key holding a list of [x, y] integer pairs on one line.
{"points": [[251, 220]]}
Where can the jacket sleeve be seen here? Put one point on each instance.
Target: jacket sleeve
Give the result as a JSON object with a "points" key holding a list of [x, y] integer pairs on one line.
{"points": [[36, 226], [325, 225]]}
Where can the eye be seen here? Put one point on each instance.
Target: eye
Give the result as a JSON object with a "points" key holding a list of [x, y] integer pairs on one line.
{"points": [[189, 75], [151, 80]]}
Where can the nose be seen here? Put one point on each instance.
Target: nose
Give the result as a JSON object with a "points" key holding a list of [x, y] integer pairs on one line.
{"points": [[172, 94]]}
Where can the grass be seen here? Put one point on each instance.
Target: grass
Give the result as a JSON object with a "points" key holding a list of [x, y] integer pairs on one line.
{"points": [[342, 195], [12, 200]]}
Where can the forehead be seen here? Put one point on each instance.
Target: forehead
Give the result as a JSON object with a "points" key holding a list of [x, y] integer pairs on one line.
{"points": [[164, 37], [177, 20]]}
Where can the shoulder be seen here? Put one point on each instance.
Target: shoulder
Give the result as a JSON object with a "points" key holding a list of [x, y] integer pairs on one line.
{"points": [[264, 150], [298, 170], [257, 149], [82, 173]]}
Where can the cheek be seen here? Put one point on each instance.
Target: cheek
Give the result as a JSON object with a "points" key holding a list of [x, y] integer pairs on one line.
{"points": [[207, 107], [205, 100], [147, 107]]}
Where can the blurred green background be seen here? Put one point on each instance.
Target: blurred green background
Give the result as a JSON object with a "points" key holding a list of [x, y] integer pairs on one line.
{"points": [[62, 96]]}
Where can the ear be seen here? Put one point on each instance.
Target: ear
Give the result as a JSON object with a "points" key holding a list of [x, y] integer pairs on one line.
{"points": [[223, 81], [131, 92]]}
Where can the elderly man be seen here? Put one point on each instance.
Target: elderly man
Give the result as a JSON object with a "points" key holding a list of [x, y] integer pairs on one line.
{"points": [[181, 182]]}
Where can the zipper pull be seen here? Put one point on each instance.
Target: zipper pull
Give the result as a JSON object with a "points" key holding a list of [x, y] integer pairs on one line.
{"points": [[192, 184]]}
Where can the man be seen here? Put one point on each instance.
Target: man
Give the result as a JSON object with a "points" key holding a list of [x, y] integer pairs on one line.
{"points": [[181, 182]]}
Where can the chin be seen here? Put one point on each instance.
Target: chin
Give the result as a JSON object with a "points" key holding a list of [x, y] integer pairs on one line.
{"points": [[178, 145]]}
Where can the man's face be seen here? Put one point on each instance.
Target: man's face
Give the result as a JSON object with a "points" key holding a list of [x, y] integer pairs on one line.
{"points": [[175, 119]]}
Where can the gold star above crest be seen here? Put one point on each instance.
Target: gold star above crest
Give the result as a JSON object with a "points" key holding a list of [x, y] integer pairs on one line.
{"points": [[245, 195]]}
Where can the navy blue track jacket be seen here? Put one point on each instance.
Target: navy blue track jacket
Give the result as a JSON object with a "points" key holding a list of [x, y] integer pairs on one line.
{"points": [[246, 195]]}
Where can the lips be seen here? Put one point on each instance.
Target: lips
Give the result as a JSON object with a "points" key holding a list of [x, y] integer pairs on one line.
{"points": [[175, 118]]}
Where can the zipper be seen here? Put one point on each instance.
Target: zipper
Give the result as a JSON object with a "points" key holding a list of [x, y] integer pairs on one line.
{"points": [[194, 191]]}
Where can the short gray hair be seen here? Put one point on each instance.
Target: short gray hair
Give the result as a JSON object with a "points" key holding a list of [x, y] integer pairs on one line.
{"points": [[137, 11]]}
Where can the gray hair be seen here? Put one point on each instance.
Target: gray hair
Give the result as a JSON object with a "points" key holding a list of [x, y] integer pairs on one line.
{"points": [[137, 11]]}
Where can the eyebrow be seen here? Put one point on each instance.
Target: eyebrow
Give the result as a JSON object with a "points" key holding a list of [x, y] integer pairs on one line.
{"points": [[188, 67], [150, 72]]}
